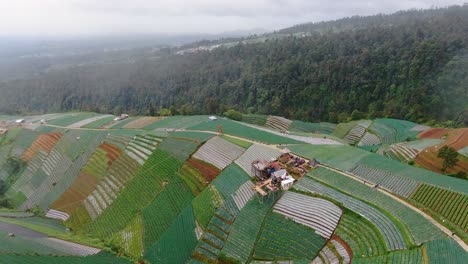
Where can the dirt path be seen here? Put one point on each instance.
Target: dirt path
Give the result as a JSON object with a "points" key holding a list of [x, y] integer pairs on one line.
{"points": [[430, 219]]}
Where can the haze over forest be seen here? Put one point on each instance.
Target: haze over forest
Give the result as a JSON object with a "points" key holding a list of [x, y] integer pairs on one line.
{"points": [[409, 65]]}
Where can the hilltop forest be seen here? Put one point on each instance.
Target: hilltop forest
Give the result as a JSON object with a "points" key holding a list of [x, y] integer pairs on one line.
{"points": [[410, 65]]}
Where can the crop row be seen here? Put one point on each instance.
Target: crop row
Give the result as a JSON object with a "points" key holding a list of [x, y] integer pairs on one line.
{"points": [[421, 229]]}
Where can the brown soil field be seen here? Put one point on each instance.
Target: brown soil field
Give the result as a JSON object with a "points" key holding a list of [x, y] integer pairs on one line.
{"points": [[209, 171], [456, 138], [71, 199], [45, 142], [143, 121], [113, 152]]}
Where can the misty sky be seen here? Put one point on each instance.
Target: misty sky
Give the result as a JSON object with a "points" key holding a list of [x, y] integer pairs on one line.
{"points": [[91, 17]]}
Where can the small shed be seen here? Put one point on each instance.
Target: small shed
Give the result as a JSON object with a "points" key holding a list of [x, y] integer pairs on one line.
{"points": [[212, 118], [20, 121]]}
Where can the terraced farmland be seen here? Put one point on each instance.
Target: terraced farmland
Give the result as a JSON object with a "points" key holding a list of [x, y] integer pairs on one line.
{"points": [[392, 235], [363, 237], [219, 152], [259, 120], [240, 130], [317, 128], [452, 206], [400, 185], [277, 122], [421, 230], [283, 239], [320, 215]]}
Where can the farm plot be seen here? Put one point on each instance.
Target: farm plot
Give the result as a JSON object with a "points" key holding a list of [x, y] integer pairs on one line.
{"points": [[386, 134], [218, 152], [256, 152], [406, 256], [369, 139], [179, 148], [390, 231], [362, 236], [27, 244], [139, 192], [445, 251], [121, 123], [284, 239], [87, 121], [142, 122], [403, 128], [177, 242], [319, 214], [357, 132], [198, 137], [161, 213], [44, 142], [403, 186], [326, 255], [451, 205], [230, 180], [100, 123], [343, 129], [121, 172], [141, 147], [177, 122], [101, 257], [259, 120], [205, 204], [401, 152], [194, 179], [209, 171], [23, 140], [317, 128], [278, 122], [245, 229], [245, 131], [131, 237], [70, 119], [419, 228], [214, 237]]}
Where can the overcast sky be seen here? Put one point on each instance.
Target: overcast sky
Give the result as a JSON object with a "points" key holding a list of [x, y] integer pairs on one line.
{"points": [[91, 17]]}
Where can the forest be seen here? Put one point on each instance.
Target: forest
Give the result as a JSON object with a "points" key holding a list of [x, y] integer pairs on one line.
{"points": [[409, 65]]}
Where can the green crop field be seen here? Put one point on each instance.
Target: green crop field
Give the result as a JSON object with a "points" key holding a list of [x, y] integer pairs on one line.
{"points": [[402, 128], [245, 229], [259, 120], [102, 258], [139, 192], [192, 135], [316, 128], [229, 181], [362, 236], [205, 204], [346, 157], [99, 123], [178, 148], [177, 242], [420, 229], [160, 214], [452, 206], [70, 119], [194, 179], [284, 239], [240, 130], [177, 122], [446, 250]]}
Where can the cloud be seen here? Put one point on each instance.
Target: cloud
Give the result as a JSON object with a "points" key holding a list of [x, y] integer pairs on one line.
{"points": [[56, 17]]}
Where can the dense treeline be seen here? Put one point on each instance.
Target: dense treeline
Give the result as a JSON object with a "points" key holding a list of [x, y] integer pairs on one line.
{"points": [[412, 70]]}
